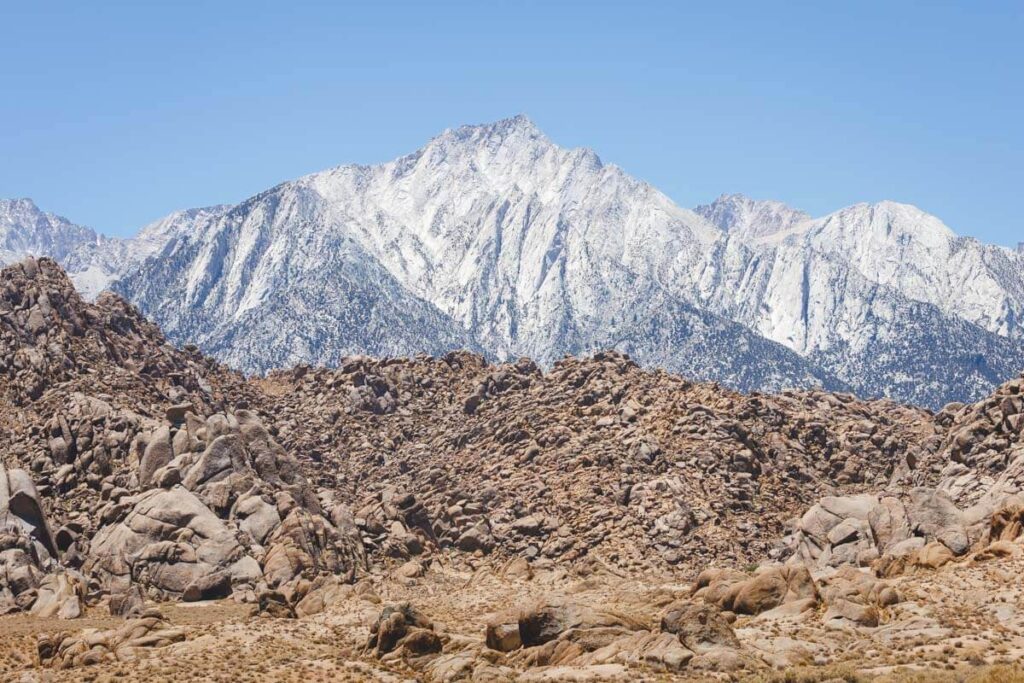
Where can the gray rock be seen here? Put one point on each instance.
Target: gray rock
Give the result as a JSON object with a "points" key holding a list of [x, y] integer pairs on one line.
{"points": [[158, 453], [934, 515], [138, 546], [889, 523], [176, 413]]}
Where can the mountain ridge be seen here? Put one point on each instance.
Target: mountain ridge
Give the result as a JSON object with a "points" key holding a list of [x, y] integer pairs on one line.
{"points": [[494, 238]]}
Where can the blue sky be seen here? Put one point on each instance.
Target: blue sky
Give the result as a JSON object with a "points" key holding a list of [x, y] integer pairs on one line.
{"points": [[114, 114]]}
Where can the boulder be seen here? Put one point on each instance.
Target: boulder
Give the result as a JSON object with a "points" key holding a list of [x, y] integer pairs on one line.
{"points": [[256, 516], [66, 651], [842, 612], [176, 413], [158, 454], [543, 622], [657, 651], [934, 515], [889, 523], [225, 455], [477, 537], [306, 544], [932, 556], [276, 604], [168, 540], [208, 587], [395, 623], [60, 595], [770, 587], [700, 627], [21, 507], [503, 635], [128, 604], [1007, 522]]}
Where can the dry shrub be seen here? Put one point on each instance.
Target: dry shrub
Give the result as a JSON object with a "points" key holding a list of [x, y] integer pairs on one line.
{"points": [[983, 674], [811, 674]]}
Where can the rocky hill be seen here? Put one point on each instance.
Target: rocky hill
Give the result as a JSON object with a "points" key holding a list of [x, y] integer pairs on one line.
{"points": [[446, 518]]}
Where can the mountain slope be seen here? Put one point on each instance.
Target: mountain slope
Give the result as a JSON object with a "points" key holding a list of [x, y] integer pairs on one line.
{"points": [[94, 266], [238, 291], [896, 246], [750, 218]]}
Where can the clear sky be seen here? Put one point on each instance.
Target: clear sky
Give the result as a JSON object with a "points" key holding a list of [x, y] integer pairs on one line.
{"points": [[115, 113]]}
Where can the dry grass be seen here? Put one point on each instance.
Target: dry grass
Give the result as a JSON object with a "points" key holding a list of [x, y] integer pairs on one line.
{"points": [[810, 674], [983, 674], [846, 674]]}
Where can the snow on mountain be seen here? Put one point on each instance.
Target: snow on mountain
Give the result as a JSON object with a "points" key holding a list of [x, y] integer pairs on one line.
{"points": [[902, 247], [92, 260], [494, 238], [266, 285], [871, 292], [94, 266], [899, 247], [526, 248], [25, 230], [749, 218], [490, 236], [515, 238]]}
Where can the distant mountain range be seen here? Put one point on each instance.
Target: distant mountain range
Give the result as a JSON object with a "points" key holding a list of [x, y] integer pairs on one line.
{"points": [[493, 238]]}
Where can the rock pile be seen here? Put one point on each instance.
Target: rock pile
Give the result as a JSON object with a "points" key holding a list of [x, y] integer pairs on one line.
{"points": [[134, 471], [643, 469]]}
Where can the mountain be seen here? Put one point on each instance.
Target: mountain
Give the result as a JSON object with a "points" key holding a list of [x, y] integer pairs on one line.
{"points": [[94, 266], [896, 246], [495, 239], [93, 261], [490, 237], [25, 230], [883, 296]]}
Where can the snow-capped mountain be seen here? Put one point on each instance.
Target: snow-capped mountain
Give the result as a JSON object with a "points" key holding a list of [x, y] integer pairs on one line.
{"points": [[884, 296], [25, 230], [92, 260], [94, 266], [492, 237]]}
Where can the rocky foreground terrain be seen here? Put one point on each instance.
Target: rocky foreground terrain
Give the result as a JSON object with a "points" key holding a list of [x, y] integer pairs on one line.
{"points": [[442, 519]]}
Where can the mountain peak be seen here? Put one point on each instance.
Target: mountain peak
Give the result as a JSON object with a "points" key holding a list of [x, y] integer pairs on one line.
{"points": [[19, 202], [26, 230], [518, 127], [750, 218], [519, 123], [20, 209], [887, 217]]}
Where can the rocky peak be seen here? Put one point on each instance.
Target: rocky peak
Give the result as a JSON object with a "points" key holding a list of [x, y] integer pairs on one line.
{"points": [[26, 230], [519, 126], [889, 222], [750, 218]]}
